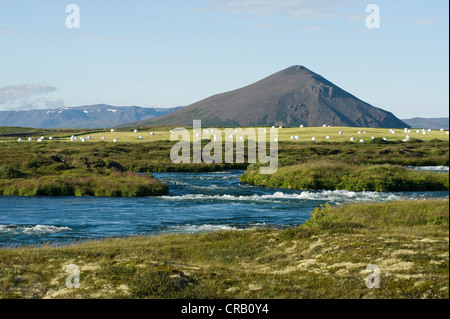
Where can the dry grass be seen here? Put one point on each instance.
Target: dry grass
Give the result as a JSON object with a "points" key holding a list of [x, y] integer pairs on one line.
{"points": [[324, 258]]}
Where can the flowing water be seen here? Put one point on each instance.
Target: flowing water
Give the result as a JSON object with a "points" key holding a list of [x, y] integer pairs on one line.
{"points": [[438, 169], [197, 202]]}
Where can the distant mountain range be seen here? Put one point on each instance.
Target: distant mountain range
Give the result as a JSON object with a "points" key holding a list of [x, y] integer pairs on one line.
{"points": [[89, 116], [428, 123], [290, 97]]}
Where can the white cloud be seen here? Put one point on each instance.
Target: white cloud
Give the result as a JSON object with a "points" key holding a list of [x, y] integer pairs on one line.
{"points": [[315, 28], [265, 26], [12, 32], [293, 8], [16, 92], [424, 21], [26, 96]]}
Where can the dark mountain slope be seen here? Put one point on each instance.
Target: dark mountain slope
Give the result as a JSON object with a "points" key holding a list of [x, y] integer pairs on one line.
{"points": [[291, 97]]}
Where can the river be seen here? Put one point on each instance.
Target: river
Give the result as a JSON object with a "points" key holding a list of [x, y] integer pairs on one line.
{"points": [[197, 202]]}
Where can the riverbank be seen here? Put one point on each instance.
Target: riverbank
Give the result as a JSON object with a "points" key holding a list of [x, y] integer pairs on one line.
{"points": [[100, 169], [196, 202], [100, 183], [54, 168], [328, 175], [326, 257]]}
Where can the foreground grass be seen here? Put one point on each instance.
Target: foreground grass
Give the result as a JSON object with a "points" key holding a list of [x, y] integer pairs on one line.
{"points": [[324, 258], [336, 176]]}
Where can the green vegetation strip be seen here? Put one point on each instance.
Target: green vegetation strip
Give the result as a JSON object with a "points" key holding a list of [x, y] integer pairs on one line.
{"points": [[325, 257], [104, 169], [339, 176], [69, 169], [82, 183], [377, 151]]}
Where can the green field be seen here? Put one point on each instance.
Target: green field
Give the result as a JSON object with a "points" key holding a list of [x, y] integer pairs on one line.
{"points": [[163, 134], [326, 257], [102, 168]]}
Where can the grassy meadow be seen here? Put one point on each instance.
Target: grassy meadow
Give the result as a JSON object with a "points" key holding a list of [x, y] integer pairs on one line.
{"points": [[99, 167], [163, 134], [326, 257]]}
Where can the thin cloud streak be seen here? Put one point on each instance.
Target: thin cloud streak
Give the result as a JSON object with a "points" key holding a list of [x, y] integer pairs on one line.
{"points": [[292, 8], [424, 21]]}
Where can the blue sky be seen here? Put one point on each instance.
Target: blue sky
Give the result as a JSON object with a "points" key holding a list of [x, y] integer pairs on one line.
{"points": [[170, 53]]}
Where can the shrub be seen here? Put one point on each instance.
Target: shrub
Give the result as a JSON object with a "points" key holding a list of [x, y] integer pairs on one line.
{"points": [[99, 163], [57, 189], [379, 140], [59, 158], [115, 166], [7, 172], [318, 215], [10, 191]]}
